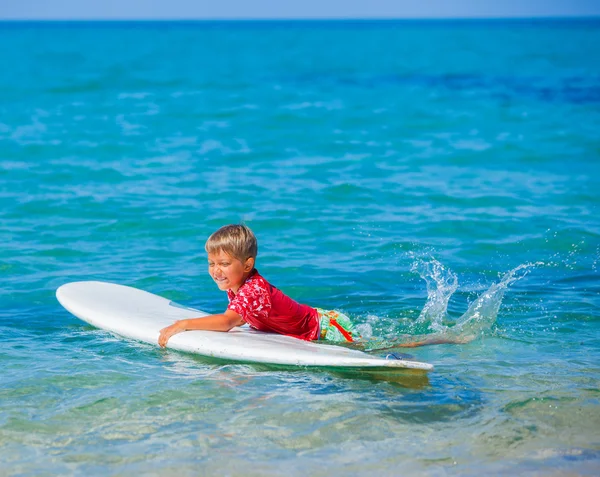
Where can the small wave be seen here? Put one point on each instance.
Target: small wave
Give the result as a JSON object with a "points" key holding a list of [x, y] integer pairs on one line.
{"points": [[328, 105], [136, 95]]}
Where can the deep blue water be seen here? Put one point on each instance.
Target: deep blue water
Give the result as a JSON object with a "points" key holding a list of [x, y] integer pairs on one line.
{"points": [[393, 170]]}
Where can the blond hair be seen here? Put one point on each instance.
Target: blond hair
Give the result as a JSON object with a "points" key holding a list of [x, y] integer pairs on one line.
{"points": [[235, 240]]}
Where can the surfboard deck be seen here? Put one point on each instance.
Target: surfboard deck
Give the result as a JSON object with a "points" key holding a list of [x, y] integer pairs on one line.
{"points": [[139, 315]]}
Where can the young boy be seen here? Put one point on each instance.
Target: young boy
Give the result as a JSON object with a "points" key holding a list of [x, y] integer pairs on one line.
{"points": [[231, 257]]}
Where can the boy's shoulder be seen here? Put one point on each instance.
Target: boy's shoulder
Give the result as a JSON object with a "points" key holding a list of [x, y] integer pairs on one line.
{"points": [[255, 284]]}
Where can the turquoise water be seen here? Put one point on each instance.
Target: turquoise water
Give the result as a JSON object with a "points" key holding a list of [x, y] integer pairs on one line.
{"points": [[423, 177]]}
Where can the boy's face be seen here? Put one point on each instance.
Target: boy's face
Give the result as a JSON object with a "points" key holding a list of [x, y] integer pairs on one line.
{"points": [[228, 272]]}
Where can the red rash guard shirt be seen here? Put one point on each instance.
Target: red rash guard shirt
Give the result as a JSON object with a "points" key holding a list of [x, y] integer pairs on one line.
{"points": [[266, 308]]}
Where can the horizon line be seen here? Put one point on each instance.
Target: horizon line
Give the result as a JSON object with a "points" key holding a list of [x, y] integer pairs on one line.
{"points": [[305, 19]]}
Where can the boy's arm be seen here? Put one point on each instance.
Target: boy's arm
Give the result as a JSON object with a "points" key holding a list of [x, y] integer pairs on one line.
{"points": [[223, 322]]}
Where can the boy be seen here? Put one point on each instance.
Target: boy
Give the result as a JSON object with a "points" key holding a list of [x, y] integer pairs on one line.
{"points": [[231, 257]]}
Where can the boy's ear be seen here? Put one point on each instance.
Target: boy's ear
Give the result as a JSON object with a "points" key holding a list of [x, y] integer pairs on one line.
{"points": [[249, 264]]}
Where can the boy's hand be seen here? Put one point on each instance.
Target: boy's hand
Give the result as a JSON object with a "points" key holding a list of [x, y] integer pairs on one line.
{"points": [[223, 322], [169, 331]]}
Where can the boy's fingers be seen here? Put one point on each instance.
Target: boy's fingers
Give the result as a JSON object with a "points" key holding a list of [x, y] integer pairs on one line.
{"points": [[164, 335]]}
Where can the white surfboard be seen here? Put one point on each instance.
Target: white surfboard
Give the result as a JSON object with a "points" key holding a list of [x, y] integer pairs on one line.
{"points": [[139, 315]]}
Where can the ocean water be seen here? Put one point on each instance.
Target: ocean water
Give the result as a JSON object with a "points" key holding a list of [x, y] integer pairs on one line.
{"points": [[423, 177]]}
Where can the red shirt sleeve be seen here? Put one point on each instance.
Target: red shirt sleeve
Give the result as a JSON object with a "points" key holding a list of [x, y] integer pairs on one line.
{"points": [[252, 302], [266, 308]]}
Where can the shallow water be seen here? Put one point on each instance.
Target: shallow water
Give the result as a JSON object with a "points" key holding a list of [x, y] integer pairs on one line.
{"points": [[400, 172]]}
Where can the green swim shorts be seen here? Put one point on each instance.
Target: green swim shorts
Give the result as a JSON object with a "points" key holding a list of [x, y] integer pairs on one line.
{"points": [[336, 326]]}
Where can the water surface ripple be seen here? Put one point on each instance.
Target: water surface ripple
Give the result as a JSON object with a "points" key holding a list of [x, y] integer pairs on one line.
{"points": [[421, 177]]}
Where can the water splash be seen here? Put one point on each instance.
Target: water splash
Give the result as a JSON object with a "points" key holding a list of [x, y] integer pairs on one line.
{"points": [[441, 284], [482, 313]]}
